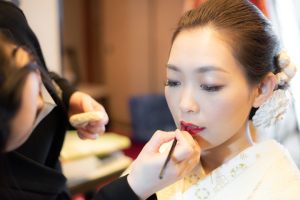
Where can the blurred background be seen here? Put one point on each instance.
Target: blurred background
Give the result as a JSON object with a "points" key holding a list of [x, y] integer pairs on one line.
{"points": [[116, 51]]}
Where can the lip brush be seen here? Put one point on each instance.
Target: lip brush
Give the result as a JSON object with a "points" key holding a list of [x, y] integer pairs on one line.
{"points": [[168, 158]]}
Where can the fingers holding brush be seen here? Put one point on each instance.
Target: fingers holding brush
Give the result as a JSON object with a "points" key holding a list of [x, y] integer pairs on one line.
{"points": [[186, 154], [185, 146], [144, 176], [188, 164]]}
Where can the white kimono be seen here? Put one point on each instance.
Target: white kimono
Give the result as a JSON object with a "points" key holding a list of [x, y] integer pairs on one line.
{"points": [[263, 171]]}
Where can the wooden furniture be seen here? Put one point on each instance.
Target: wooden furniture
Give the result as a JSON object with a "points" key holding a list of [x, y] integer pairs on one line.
{"points": [[90, 163]]}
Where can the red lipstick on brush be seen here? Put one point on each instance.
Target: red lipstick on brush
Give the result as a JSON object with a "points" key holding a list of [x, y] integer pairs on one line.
{"points": [[191, 128]]}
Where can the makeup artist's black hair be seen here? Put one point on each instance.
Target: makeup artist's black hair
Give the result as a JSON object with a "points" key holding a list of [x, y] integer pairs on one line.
{"points": [[12, 80], [250, 34], [17, 31]]}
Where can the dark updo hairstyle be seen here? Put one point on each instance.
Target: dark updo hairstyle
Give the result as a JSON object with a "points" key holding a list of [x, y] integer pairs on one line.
{"points": [[250, 34]]}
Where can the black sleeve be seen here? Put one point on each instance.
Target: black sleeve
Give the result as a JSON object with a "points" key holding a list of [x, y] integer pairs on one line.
{"points": [[119, 190]]}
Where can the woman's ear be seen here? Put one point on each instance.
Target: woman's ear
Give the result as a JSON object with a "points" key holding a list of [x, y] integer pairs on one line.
{"points": [[264, 90]]}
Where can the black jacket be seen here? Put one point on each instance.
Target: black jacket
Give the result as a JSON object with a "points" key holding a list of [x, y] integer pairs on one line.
{"points": [[33, 171], [119, 190]]}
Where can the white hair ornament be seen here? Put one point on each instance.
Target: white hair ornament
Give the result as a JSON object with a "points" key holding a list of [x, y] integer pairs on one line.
{"points": [[288, 69], [271, 111]]}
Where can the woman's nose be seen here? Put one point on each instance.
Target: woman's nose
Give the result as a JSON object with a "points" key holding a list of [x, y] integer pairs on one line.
{"points": [[188, 103]]}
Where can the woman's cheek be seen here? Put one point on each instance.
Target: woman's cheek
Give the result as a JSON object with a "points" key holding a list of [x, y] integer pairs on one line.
{"points": [[229, 111], [170, 97], [173, 101]]}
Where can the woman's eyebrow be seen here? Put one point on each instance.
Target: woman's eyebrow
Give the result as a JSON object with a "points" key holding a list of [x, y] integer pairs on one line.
{"points": [[210, 68], [198, 70], [173, 67]]}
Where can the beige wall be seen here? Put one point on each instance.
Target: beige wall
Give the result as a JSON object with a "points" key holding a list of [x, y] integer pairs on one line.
{"points": [[134, 45], [138, 34], [168, 15], [73, 31], [125, 53], [43, 18]]}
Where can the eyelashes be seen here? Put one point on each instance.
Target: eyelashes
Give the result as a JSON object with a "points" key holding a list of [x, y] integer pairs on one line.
{"points": [[171, 83], [211, 88], [203, 87]]}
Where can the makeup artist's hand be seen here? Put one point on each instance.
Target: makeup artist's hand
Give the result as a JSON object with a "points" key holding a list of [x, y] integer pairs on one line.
{"points": [[81, 103], [144, 176]]}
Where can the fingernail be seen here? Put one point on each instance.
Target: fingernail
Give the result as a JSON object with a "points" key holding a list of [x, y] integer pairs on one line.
{"points": [[95, 135]]}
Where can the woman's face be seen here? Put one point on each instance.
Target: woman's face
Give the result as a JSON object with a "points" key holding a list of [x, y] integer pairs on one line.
{"points": [[31, 104], [206, 89]]}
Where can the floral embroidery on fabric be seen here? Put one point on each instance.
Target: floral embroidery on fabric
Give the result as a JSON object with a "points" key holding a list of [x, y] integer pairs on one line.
{"points": [[217, 188], [258, 155], [237, 168], [199, 185], [194, 178], [202, 193], [243, 156], [222, 181]]}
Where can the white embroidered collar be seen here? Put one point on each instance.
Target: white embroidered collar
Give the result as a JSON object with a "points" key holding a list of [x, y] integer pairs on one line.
{"points": [[198, 185]]}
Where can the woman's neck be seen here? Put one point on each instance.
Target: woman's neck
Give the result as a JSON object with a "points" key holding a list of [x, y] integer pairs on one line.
{"points": [[215, 157]]}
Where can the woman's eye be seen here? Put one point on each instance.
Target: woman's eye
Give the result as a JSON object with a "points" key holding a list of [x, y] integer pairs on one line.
{"points": [[172, 83], [211, 88]]}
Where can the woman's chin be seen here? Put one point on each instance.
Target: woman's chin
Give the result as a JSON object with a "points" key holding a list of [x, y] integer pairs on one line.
{"points": [[203, 143]]}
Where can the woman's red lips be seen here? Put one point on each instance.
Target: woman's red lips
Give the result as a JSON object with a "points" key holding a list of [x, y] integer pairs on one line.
{"points": [[191, 128], [188, 124]]}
